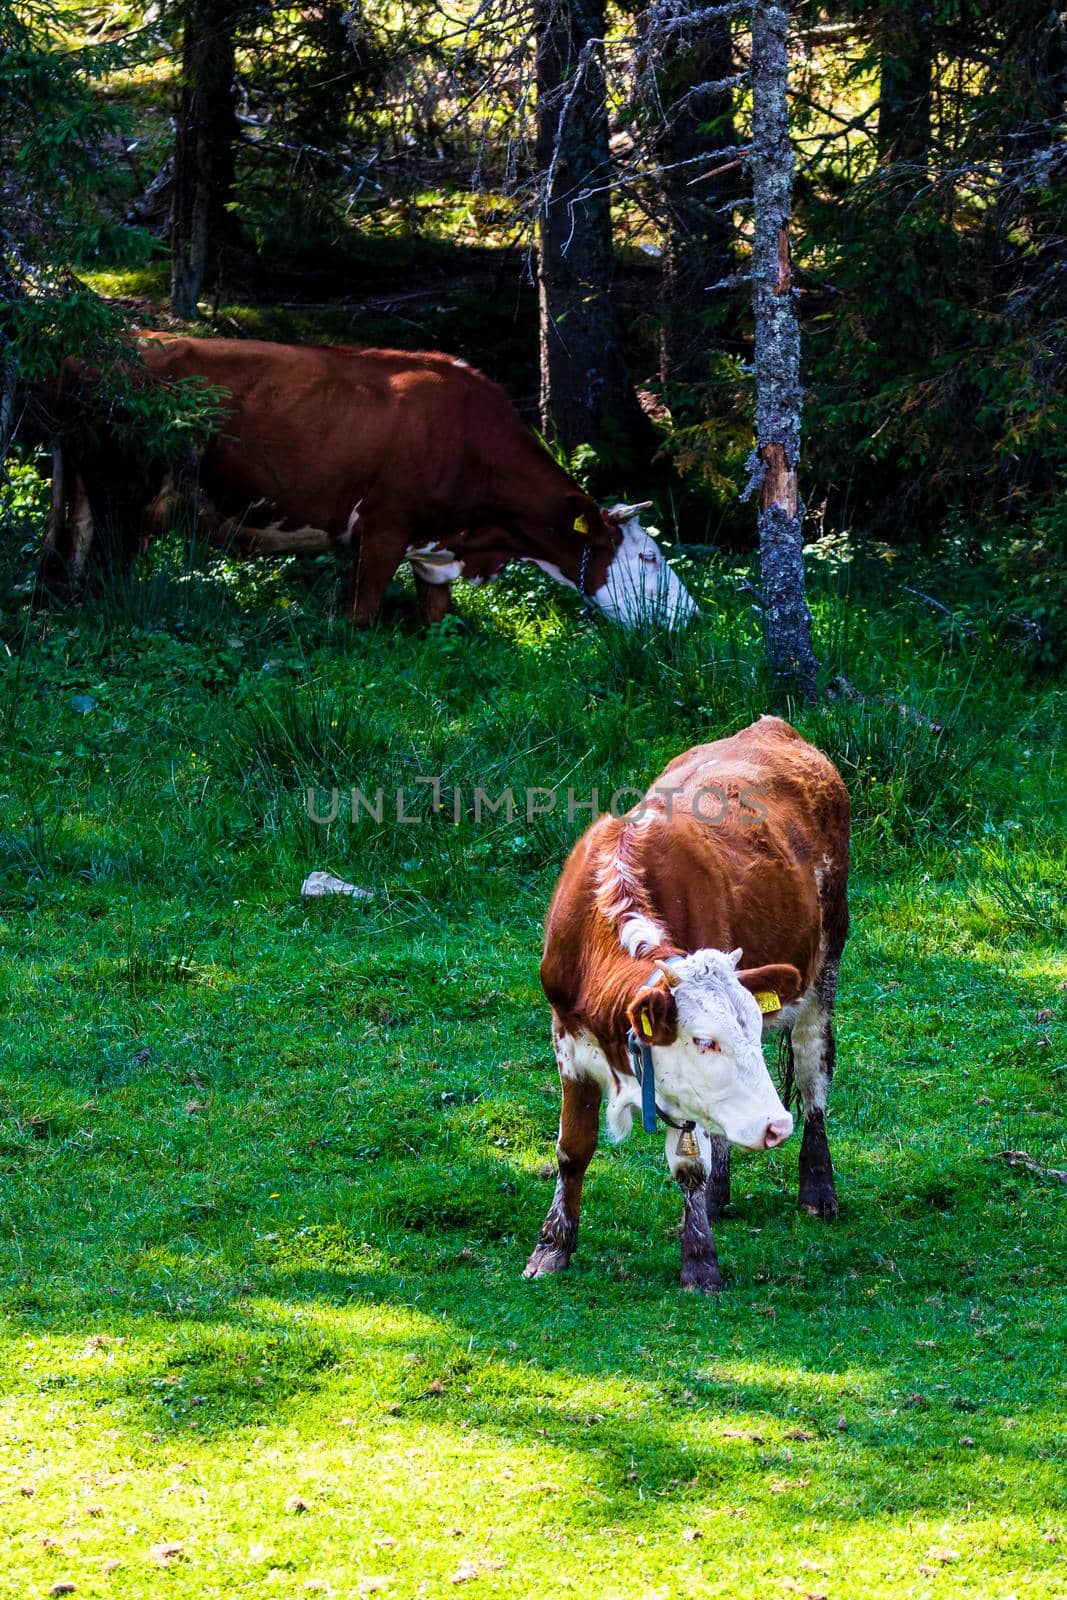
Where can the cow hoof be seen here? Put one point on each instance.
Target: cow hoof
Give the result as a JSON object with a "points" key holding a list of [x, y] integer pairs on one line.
{"points": [[820, 1200], [702, 1280], [546, 1259]]}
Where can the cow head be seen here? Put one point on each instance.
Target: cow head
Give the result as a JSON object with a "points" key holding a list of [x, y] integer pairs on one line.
{"points": [[640, 586], [704, 1025]]}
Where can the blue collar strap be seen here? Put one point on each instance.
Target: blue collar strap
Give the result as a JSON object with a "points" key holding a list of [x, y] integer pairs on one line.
{"points": [[644, 1072]]}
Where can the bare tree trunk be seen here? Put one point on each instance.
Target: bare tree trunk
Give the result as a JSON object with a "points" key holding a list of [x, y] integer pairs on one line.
{"points": [[586, 396], [203, 151], [786, 618], [906, 90], [698, 250]]}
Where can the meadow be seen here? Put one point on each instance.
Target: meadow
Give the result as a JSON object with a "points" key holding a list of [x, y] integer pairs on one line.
{"points": [[270, 1169]]}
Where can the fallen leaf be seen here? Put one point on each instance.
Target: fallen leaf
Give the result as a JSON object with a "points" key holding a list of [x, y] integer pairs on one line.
{"points": [[798, 1434], [64, 1586], [110, 1564], [28, 1490], [842, 1425], [692, 1533], [167, 1552], [436, 1387], [943, 1554], [94, 1511], [296, 1505], [1044, 1015], [371, 1584], [386, 1542], [193, 1106], [967, 1440], [474, 1569]]}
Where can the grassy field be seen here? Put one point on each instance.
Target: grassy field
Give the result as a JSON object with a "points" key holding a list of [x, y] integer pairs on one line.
{"points": [[270, 1170]]}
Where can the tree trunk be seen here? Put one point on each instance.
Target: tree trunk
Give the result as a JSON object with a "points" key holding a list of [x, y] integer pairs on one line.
{"points": [[698, 249], [586, 396], [786, 618], [203, 151], [906, 89]]}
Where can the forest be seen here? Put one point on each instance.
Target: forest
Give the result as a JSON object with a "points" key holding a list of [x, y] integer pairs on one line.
{"points": [[775, 295]]}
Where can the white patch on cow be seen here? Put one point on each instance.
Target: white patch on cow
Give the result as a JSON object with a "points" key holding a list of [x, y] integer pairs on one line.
{"points": [[714, 1073], [638, 935], [350, 525], [579, 1056], [433, 564], [640, 585], [553, 572], [809, 1030], [457, 361], [620, 893]]}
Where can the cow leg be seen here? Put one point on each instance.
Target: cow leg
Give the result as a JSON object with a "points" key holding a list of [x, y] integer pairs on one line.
{"points": [[369, 578], [700, 1264], [579, 1127], [812, 1037], [82, 531], [718, 1190], [435, 599], [54, 559]]}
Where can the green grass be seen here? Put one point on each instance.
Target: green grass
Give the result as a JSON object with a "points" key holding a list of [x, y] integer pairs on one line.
{"points": [[269, 1171]]}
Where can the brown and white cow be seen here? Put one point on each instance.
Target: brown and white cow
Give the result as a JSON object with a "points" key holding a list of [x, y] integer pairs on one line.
{"points": [[402, 457], [714, 911]]}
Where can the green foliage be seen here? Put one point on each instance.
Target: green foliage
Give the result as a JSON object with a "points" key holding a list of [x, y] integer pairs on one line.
{"points": [[57, 199]]}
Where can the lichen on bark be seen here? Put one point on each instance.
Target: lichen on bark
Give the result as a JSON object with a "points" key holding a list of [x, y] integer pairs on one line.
{"points": [[787, 620]]}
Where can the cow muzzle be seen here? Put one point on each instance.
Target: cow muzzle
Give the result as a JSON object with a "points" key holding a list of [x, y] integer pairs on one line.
{"points": [[777, 1132]]}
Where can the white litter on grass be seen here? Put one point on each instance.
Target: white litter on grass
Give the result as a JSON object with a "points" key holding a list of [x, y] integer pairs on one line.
{"points": [[317, 884]]}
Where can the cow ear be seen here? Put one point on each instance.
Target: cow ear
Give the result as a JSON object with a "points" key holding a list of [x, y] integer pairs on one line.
{"points": [[773, 986], [654, 1016], [582, 516]]}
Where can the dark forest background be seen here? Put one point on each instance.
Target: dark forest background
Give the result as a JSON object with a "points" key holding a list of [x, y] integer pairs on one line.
{"points": [[479, 177]]}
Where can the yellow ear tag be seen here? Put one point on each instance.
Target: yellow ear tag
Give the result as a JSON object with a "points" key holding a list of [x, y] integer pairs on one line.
{"points": [[646, 1025], [767, 1000], [581, 524]]}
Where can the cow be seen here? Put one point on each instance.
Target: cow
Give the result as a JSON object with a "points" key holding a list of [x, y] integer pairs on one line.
{"points": [[400, 456], [713, 912]]}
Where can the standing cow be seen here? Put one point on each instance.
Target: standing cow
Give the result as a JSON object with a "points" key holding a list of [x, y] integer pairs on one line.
{"points": [[678, 935], [400, 456]]}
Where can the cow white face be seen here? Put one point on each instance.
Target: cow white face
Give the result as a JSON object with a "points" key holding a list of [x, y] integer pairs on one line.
{"points": [[640, 586], [706, 1051]]}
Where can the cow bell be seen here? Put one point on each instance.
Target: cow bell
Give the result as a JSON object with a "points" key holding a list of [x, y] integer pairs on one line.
{"points": [[688, 1149]]}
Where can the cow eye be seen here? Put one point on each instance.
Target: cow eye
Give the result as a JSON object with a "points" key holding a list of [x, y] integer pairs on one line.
{"points": [[708, 1046], [648, 557]]}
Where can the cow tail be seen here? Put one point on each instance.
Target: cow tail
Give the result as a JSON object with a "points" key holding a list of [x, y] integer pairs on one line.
{"points": [[786, 1066]]}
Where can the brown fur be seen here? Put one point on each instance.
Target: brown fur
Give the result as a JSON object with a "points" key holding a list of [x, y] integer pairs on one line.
{"points": [[770, 877], [737, 883], [425, 449]]}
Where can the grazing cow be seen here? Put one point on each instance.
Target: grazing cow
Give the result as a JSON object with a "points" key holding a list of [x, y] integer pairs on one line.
{"points": [[678, 934], [403, 457]]}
